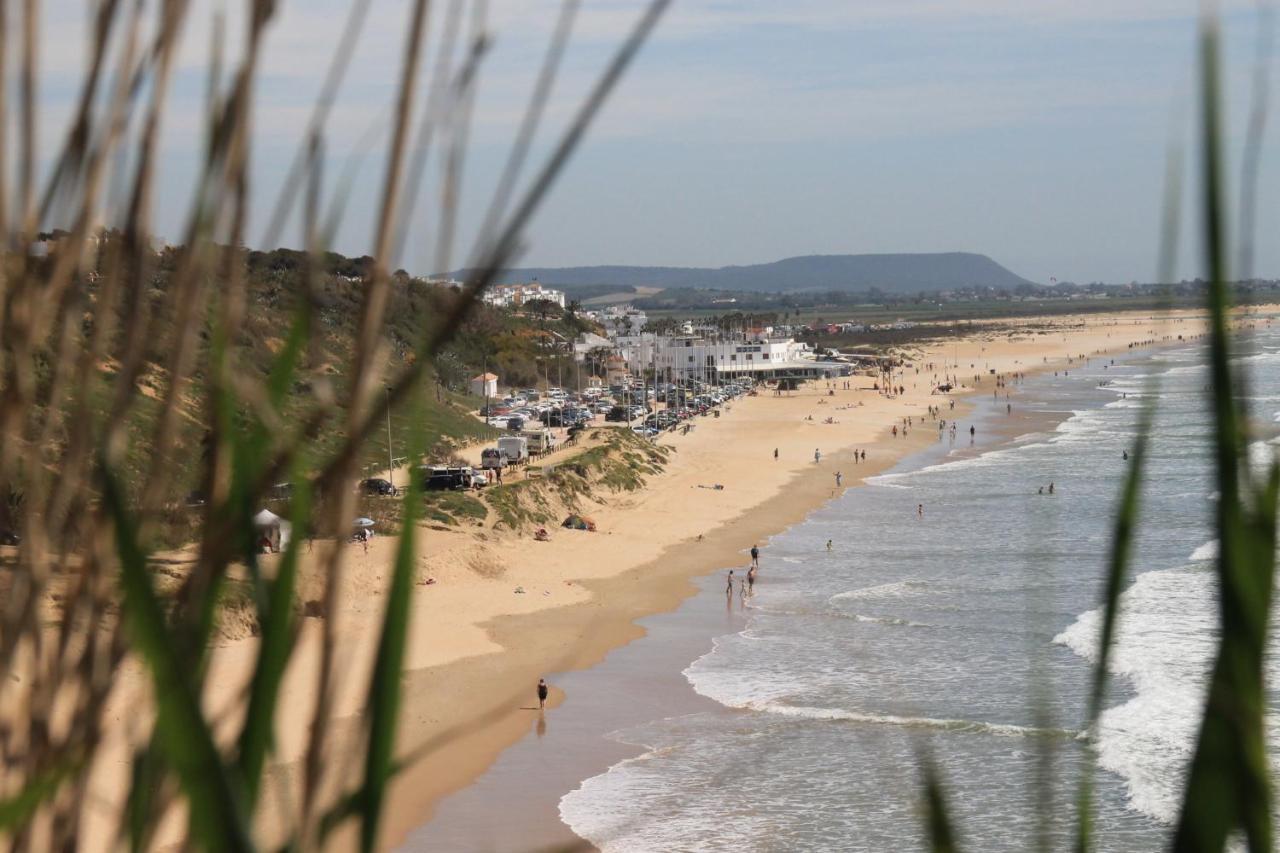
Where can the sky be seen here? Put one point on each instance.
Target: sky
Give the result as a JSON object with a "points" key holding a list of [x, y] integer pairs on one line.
{"points": [[1038, 133]]}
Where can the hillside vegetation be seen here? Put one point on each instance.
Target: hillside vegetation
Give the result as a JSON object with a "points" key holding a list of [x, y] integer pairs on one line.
{"points": [[519, 348]]}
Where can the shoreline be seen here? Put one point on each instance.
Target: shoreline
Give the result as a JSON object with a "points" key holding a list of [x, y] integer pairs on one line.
{"points": [[475, 650], [618, 602], [502, 788]]}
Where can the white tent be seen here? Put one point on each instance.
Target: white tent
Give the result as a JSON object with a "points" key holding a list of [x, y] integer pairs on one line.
{"points": [[274, 529]]}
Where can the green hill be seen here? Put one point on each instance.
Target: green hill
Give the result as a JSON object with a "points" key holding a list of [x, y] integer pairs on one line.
{"points": [[890, 273]]}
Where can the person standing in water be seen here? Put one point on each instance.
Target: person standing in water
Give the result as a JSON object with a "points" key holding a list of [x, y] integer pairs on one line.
{"points": [[920, 510], [1051, 488], [828, 544], [751, 580], [728, 589], [542, 694], [755, 556]]}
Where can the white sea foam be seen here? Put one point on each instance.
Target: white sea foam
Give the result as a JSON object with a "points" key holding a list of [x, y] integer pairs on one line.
{"points": [[842, 715], [1163, 647], [1207, 551], [896, 589]]}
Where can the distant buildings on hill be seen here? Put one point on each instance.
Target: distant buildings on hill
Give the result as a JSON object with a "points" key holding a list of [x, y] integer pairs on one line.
{"points": [[517, 295]]}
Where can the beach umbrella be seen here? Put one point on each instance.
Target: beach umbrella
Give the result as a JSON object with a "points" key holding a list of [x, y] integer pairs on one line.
{"points": [[363, 522]]}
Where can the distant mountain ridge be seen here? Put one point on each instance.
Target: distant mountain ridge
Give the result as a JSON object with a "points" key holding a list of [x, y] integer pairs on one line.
{"points": [[891, 273]]}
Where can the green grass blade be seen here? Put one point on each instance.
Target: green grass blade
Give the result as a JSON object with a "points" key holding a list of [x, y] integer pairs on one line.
{"points": [[384, 689], [286, 364], [1122, 534], [942, 836], [1228, 786], [16, 810], [216, 813], [145, 774]]}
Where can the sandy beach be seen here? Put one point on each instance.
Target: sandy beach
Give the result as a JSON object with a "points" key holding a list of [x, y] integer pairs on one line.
{"points": [[504, 609]]}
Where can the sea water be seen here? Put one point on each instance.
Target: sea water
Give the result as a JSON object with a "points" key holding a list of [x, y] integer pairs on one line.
{"points": [[966, 633]]}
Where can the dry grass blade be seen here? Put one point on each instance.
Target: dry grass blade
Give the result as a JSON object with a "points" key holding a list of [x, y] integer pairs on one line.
{"points": [[135, 411]]}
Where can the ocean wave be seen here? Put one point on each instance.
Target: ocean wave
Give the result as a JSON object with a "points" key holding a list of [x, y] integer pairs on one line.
{"points": [[895, 589], [884, 481], [950, 725], [1164, 645], [768, 610], [1207, 551]]}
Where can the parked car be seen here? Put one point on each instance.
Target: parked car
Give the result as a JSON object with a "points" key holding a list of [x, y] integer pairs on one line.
{"points": [[618, 413], [377, 486]]}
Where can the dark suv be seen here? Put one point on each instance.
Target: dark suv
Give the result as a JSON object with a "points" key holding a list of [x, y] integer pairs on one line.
{"points": [[377, 486]]}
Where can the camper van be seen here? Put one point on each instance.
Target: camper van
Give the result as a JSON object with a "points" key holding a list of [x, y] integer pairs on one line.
{"points": [[514, 450], [540, 441], [491, 458]]}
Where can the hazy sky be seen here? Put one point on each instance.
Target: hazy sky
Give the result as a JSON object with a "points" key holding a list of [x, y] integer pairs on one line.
{"points": [[1035, 131]]}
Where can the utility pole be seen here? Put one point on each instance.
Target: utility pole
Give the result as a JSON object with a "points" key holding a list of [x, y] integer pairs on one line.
{"points": [[391, 468]]}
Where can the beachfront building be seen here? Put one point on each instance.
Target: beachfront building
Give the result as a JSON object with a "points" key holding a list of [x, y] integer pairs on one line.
{"points": [[517, 295], [757, 356], [638, 351]]}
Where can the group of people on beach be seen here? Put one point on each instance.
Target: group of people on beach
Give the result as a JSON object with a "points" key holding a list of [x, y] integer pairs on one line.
{"points": [[745, 585]]}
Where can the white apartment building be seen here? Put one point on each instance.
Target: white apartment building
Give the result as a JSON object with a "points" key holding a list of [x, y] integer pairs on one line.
{"points": [[516, 295], [622, 320]]}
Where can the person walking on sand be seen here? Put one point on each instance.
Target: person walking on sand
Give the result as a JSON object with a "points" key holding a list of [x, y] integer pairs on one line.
{"points": [[817, 455], [839, 478], [755, 556], [775, 454], [542, 694]]}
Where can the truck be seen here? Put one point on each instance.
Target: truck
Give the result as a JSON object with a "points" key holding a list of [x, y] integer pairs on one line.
{"points": [[514, 450], [540, 441]]}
